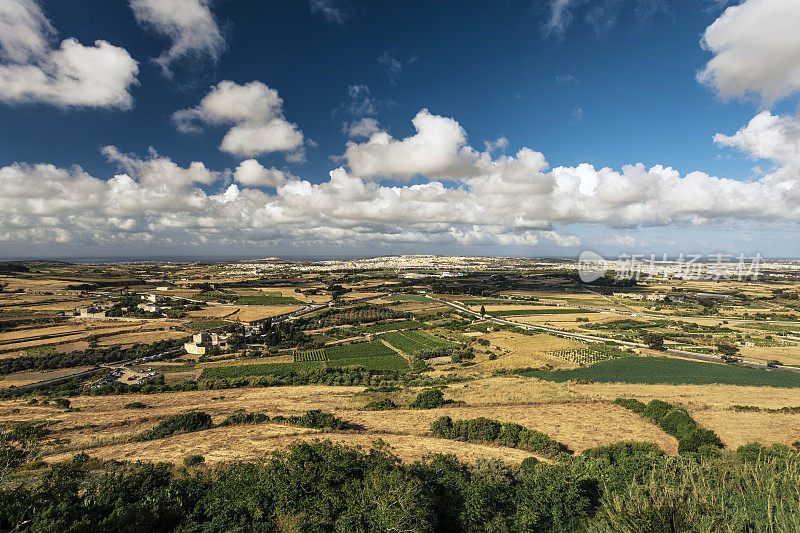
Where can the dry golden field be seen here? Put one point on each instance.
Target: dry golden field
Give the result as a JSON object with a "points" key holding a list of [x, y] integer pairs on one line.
{"points": [[529, 350], [254, 442], [243, 313], [291, 292], [128, 339], [23, 378], [102, 427], [739, 428]]}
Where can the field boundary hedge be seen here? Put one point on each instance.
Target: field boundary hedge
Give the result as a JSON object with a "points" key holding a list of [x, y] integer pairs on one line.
{"points": [[676, 422], [485, 430]]}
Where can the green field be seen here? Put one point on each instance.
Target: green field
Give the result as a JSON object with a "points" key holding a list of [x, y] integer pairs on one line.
{"points": [[373, 355], [666, 370], [363, 349], [266, 369], [520, 312], [382, 362], [414, 341], [267, 300], [202, 325], [309, 355]]}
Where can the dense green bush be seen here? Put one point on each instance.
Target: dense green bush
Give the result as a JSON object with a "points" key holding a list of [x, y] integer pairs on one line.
{"points": [[495, 432], [180, 423], [244, 418], [678, 423], [316, 419], [319, 486], [135, 405], [63, 402], [193, 460], [428, 399], [631, 404], [384, 404]]}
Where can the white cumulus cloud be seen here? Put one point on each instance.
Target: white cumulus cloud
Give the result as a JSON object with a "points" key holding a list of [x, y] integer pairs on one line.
{"points": [[71, 75], [251, 173], [255, 112], [506, 200], [756, 49], [188, 24]]}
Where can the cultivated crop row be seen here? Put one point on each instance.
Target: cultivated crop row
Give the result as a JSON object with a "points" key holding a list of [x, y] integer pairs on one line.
{"points": [[310, 355], [582, 356]]}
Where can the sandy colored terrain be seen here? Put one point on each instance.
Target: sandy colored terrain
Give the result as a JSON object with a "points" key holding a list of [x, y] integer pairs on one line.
{"points": [[128, 339], [566, 317], [215, 311], [359, 295], [251, 442], [694, 396], [579, 424], [28, 333], [291, 292], [784, 354], [23, 378], [56, 305], [258, 312], [738, 428], [243, 313]]}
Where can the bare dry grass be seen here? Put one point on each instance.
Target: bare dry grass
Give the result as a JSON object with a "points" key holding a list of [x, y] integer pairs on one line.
{"points": [[128, 339], [579, 425], [243, 313], [253, 442], [739, 428], [694, 396], [24, 378]]}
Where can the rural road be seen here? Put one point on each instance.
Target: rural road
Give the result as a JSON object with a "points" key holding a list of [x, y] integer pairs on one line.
{"points": [[593, 338]]}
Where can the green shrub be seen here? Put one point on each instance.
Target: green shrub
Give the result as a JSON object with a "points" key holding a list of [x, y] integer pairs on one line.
{"points": [[677, 422], [63, 402], [428, 399], [631, 404], [316, 419], [244, 418], [384, 404], [697, 438], [180, 423], [755, 451], [193, 460], [656, 410], [492, 431], [135, 405]]}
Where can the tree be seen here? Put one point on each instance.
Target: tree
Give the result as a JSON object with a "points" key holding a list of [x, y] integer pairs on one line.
{"points": [[428, 399], [483, 311], [728, 350], [654, 341]]}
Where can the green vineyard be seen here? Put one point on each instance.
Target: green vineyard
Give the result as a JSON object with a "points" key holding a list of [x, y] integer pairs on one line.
{"points": [[585, 356], [309, 355]]}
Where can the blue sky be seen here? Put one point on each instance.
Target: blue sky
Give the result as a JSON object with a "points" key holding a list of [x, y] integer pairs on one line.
{"points": [[606, 83]]}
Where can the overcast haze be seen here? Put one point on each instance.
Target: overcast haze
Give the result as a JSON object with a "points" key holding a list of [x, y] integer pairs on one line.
{"points": [[335, 127]]}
